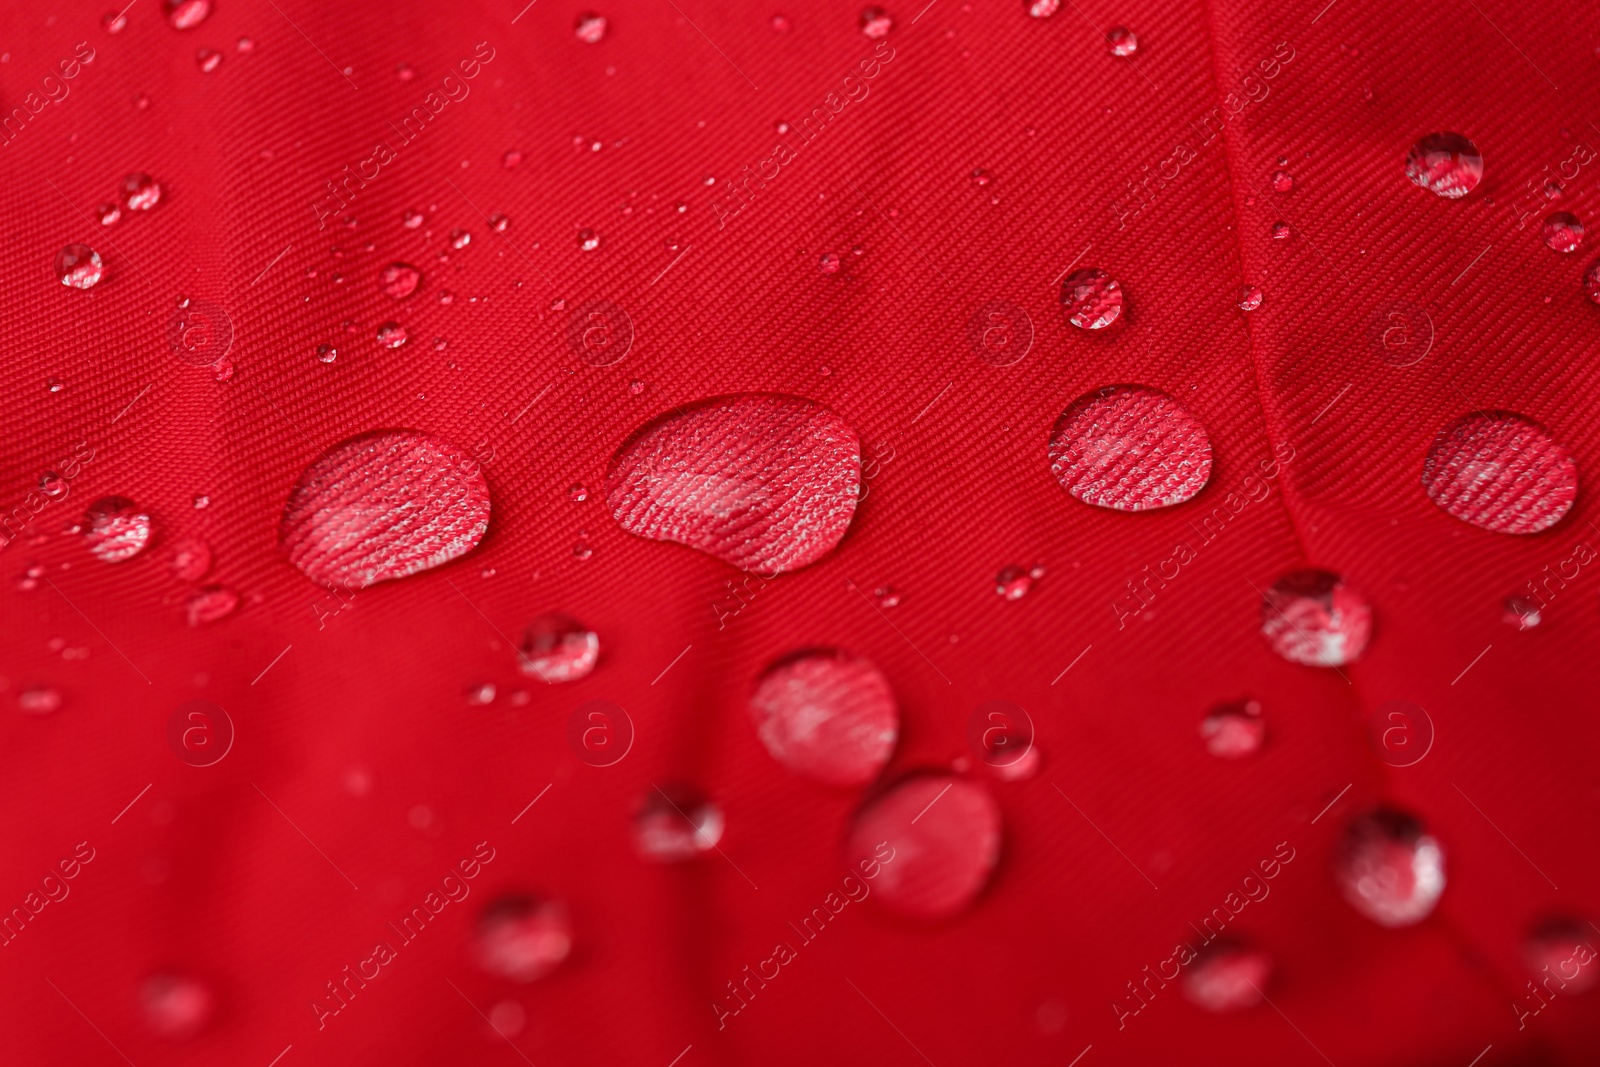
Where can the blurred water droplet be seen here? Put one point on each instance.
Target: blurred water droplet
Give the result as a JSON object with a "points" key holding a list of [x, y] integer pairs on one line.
{"points": [[512, 159], [140, 192], [1520, 612], [383, 506], [191, 559], [1312, 617], [1227, 977], [114, 21], [116, 529], [186, 14], [1250, 298], [460, 238], [79, 266], [1014, 583], [210, 604], [1042, 9], [108, 213], [828, 263], [480, 694], [1234, 731], [875, 22], [245, 45], [577, 493], [1563, 231], [522, 938], [177, 1006], [207, 59], [39, 700], [1561, 948], [52, 485], [412, 219], [1091, 299], [1130, 448], [780, 23], [590, 28], [1445, 163], [827, 715], [676, 823], [391, 335], [935, 839], [557, 649], [588, 240], [1122, 41], [399, 280], [1502, 472], [499, 223], [1389, 868], [886, 596]]}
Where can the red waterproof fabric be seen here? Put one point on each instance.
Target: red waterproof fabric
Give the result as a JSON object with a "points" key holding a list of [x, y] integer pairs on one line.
{"points": [[360, 775]]}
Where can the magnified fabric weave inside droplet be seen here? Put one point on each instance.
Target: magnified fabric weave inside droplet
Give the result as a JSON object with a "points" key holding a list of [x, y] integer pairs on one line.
{"points": [[384, 505], [1502, 472], [827, 715], [765, 482], [937, 839], [1131, 448]]}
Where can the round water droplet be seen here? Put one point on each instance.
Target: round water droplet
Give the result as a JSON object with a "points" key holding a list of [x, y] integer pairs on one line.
{"points": [[116, 529], [1227, 977], [383, 506], [1561, 949], [55, 385], [480, 694], [191, 559], [207, 59], [52, 485], [327, 353], [1502, 472], [177, 1006], [1091, 299], [676, 823], [79, 266], [1389, 868], [140, 192], [935, 841], [577, 493], [1130, 448], [1042, 9], [828, 263], [499, 223], [1445, 163], [399, 280], [1280, 231], [1312, 617], [875, 22], [557, 649], [762, 481], [391, 335], [827, 715], [1282, 181], [187, 14], [412, 219], [588, 240], [512, 159], [1249, 298], [1563, 231], [1122, 41], [590, 28], [210, 604], [1014, 583], [1234, 731], [522, 938], [39, 700], [780, 23], [460, 238], [1520, 612], [108, 213]]}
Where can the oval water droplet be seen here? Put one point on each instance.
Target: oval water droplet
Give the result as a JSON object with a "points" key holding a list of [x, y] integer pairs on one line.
{"points": [[676, 823], [1130, 448], [1445, 163], [939, 838], [39, 700], [116, 529], [207, 59], [1227, 977], [399, 280], [522, 938], [177, 1006], [1122, 41], [460, 238], [140, 192], [1281, 231], [875, 22], [827, 715], [1562, 947], [79, 266], [590, 28], [1502, 472], [1250, 298], [1312, 617], [1390, 868], [191, 559], [210, 604], [391, 335], [382, 506], [588, 240], [1563, 231], [1234, 731], [187, 14], [1014, 583], [763, 481], [1282, 181], [108, 213], [1091, 299], [557, 649]]}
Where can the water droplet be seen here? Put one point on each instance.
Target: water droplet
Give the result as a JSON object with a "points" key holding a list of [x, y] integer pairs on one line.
{"points": [[499, 223], [1249, 298], [508, 1018], [1563, 231], [827, 715], [391, 335], [201, 501], [1122, 41], [1014, 583], [588, 240], [1282, 181], [399, 280], [114, 21], [1389, 868], [945, 837], [582, 550], [1091, 299], [140, 192], [512, 159], [55, 385], [981, 177], [1502, 472], [79, 266], [828, 263], [1312, 617], [1130, 448], [557, 649], [875, 22], [522, 938], [327, 353], [886, 596], [191, 559], [116, 529], [1561, 947], [1227, 977], [207, 59], [177, 1006], [1445, 163], [590, 28], [762, 481], [1280, 231], [1042, 9], [245, 45], [480, 694], [187, 14], [460, 238], [108, 213], [52, 485], [222, 370], [382, 506], [1521, 613], [780, 23], [1234, 731], [39, 700], [210, 604], [412, 219], [637, 387], [676, 823]]}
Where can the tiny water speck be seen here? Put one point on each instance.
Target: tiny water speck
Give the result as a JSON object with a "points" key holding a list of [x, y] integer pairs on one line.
{"points": [[186, 14], [207, 59]]}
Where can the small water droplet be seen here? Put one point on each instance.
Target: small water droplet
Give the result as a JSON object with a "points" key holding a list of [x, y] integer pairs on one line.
{"points": [[39, 700], [1014, 583], [578, 493], [1227, 977], [590, 27], [981, 177], [140, 192], [1280, 231], [522, 938], [1129, 448], [780, 23], [1091, 299], [210, 604], [1520, 613], [327, 353], [1282, 181], [637, 387], [207, 59], [1390, 868], [1312, 617], [886, 596], [1249, 298], [875, 22], [114, 21], [827, 715], [676, 823], [1042, 9], [412, 219], [1562, 947], [480, 694], [79, 266], [512, 159], [1234, 731], [1446, 164], [945, 835], [391, 335], [828, 263], [177, 1006], [588, 240], [1502, 472], [399, 280], [1563, 231], [499, 223], [116, 529], [191, 559], [460, 238], [108, 213], [186, 14], [1122, 41], [52, 485], [557, 649], [54, 385], [245, 45]]}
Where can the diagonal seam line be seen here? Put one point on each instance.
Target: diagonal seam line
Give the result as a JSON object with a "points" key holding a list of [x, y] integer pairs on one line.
{"points": [[897, 630], [890, 1021], [310, 842], [90, 1021], [313, 44], [1102, 833], [1502, 833]]}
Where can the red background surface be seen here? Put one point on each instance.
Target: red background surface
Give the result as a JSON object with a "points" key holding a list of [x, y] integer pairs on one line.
{"points": [[202, 873]]}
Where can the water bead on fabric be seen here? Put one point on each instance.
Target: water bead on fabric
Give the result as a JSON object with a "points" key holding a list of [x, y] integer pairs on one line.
{"points": [[1500, 471], [936, 840], [1129, 448], [827, 715], [1312, 617]]}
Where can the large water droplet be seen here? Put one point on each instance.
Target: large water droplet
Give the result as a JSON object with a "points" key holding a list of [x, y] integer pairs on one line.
{"points": [[116, 529], [384, 505], [1313, 617], [676, 823], [177, 1006], [936, 840], [1234, 731], [79, 266], [1227, 977], [1131, 448], [762, 481], [1445, 163], [557, 649], [1502, 472], [187, 14], [1389, 868], [522, 938], [1091, 299], [1563, 231], [827, 715]]}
